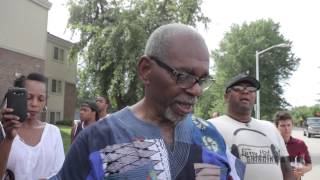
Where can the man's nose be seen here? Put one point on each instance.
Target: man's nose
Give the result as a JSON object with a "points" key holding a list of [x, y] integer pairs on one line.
{"points": [[195, 90], [245, 90]]}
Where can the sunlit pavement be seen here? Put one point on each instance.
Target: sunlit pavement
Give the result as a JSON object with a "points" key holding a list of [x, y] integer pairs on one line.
{"points": [[314, 149]]}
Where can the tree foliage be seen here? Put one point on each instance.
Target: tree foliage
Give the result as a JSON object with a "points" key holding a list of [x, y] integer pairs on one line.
{"points": [[300, 113], [236, 54], [113, 34]]}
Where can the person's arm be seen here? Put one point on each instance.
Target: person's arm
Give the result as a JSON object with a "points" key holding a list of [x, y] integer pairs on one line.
{"points": [[299, 171], [286, 169], [5, 148], [10, 125], [77, 163], [308, 164], [306, 168]]}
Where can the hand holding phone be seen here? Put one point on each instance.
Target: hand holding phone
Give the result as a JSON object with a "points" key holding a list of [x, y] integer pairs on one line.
{"points": [[9, 124], [14, 113]]}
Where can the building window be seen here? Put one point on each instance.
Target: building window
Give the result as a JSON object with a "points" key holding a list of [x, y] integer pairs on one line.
{"points": [[58, 116], [54, 117], [56, 86], [58, 54], [59, 87], [61, 54]]}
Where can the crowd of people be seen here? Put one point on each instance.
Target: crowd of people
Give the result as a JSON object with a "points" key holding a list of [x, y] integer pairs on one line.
{"points": [[158, 137]]}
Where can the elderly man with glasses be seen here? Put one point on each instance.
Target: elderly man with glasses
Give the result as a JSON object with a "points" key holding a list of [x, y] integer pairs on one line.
{"points": [[156, 138], [256, 143]]}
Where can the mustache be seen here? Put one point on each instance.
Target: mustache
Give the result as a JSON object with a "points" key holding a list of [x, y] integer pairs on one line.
{"points": [[183, 98]]}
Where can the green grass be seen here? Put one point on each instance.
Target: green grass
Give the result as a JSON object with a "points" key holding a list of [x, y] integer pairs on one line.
{"points": [[65, 133]]}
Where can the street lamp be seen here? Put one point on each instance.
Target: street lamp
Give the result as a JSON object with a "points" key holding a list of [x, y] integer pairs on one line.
{"points": [[257, 72]]}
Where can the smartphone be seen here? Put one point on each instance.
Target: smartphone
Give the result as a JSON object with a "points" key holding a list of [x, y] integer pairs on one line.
{"points": [[17, 100]]}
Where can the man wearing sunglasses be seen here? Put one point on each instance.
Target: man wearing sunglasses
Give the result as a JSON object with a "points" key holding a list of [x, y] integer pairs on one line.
{"points": [[156, 138], [254, 142]]}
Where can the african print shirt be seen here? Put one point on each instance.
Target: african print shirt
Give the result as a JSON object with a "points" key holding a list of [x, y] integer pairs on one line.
{"points": [[125, 147]]}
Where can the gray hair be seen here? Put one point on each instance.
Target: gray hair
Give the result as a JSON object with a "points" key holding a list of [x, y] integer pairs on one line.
{"points": [[159, 41]]}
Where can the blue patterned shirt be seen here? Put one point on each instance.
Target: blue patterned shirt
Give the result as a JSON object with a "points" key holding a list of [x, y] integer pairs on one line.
{"points": [[125, 147]]}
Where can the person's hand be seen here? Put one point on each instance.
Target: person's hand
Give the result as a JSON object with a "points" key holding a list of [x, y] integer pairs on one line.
{"points": [[10, 123], [298, 172], [205, 171]]}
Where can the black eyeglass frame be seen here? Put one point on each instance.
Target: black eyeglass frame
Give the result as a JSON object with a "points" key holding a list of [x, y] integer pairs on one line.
{"points": [[203, 82]]}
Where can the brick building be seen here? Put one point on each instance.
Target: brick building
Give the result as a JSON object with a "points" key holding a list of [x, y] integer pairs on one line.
{"points": [[25, 46]]}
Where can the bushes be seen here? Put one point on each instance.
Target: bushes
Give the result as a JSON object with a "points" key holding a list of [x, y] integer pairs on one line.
{"points": [[64, 122]]}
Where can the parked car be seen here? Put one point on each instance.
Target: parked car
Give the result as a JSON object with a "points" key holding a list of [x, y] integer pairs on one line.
{"points": [[311, 126]]}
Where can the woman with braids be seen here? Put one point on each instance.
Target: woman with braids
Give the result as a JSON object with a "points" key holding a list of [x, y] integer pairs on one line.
{"points": [[32, 149]]}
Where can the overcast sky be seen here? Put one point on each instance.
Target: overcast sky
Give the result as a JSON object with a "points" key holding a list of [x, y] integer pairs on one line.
{"points": [[299, 21]]}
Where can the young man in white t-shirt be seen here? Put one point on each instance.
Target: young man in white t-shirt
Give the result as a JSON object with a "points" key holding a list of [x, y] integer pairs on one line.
{"points": [[256, 143]]}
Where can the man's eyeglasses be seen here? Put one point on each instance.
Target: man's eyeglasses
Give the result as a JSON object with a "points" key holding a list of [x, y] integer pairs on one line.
{"points": [[239, 88], [183, 79]]}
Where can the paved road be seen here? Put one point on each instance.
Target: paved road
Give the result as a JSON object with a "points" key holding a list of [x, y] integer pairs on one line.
{"points": [[314, 150]]}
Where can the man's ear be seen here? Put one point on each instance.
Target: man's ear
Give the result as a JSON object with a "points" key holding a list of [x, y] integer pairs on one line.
{"points": [[144, 69], [226, 97]]}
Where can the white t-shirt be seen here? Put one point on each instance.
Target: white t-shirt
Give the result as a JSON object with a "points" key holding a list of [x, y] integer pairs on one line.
{"points": [[40, 161], [104, 117], [258, 144]]}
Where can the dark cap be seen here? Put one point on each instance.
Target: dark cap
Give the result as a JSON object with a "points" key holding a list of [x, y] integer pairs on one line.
{"points": [[241, 78], [91, 104]]}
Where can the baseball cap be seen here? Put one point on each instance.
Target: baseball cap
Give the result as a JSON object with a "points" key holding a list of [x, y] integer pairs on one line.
{"points": [[91, 104], [240, 78]]}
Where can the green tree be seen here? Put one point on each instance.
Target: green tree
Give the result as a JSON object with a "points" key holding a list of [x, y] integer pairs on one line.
{"points": [[84, 83], [300, 113], [236, 54], [315, 110], [113, 34]]}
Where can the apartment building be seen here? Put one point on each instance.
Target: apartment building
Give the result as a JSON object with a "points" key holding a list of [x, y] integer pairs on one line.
{"points": [[61, 74], [25, 46]]}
